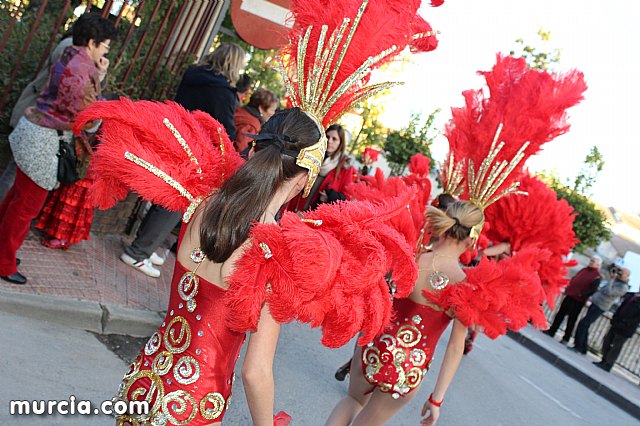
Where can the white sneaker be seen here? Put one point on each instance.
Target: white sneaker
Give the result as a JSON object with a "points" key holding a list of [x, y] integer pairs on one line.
{"points": [[143, 266], [156, 259]]}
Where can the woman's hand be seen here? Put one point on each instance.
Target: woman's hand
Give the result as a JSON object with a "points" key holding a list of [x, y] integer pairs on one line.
{"points": [[322, 197], [434, 413], [103, 66]]}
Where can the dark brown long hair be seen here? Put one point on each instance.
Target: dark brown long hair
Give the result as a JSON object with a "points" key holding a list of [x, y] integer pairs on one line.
{"points": [[244, 197]]}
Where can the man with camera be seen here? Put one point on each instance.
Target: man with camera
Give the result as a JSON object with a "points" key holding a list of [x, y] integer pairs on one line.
{"points": [[601, 301]]}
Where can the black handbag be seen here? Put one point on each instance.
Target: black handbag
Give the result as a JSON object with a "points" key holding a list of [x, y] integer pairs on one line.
{"points": [[67, 162]]}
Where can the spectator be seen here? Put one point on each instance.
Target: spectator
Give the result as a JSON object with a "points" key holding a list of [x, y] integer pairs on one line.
{"points": [[335, 174], [28, 98], [580, 288], [250, 118], [243, 88], [74, 83], [624, 323], [206, 87], [601, 301]]}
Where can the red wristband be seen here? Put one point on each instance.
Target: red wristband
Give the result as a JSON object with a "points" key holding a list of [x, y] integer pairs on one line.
{"points": [[434, 402]]}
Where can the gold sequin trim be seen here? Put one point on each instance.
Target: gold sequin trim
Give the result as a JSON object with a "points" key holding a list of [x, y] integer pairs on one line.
{"points": [[186, 370], [218, 405], [178, 403], [178, 339]]}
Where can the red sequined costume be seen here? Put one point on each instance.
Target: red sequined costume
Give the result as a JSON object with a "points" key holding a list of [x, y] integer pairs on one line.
{"points": [[176, 365], [398, 360]]}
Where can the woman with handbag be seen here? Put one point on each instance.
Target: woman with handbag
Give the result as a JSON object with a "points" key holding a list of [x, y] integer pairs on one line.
{"points": [[74, 83]]}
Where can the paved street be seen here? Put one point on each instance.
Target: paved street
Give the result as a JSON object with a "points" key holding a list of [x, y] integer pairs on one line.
{"points": [[500, 383]]}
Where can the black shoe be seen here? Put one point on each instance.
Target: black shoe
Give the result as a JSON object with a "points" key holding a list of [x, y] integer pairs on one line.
{"points": [[16, 278], [576, 350], [602, 365], [342, 372], [565, 342], [549, 333]]}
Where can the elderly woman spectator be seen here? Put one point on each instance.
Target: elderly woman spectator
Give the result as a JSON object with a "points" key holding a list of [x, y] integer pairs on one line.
{"points": [[74, 83], [250, 118]]}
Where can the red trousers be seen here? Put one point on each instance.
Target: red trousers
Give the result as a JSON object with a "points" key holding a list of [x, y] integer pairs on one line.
{"points": [[21, 205]]}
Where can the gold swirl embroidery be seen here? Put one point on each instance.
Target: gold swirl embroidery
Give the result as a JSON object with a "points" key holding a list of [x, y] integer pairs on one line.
{"points": [[177, 344], [188, 289], [162, 363], [177, 403], [217, 400], [134, 367], [417, 357], [153, 393], [186, 370], [413, 377], [153, 344], [408, 336]]}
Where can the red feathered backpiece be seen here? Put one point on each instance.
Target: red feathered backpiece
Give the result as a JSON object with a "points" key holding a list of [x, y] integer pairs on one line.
{"points": [[498, 295], [168, 155], [522, 108], [539, 220], [336, 43], [327, 269], [409, 222]]}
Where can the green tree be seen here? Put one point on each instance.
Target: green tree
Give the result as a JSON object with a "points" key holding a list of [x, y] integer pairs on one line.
{"points": [[416, 137], [593, 165], [371, 132], [590, 223], [537, 58]]}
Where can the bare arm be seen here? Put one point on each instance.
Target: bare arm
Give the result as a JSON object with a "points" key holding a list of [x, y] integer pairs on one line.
{"points": [[257, 370], [452, 357]]}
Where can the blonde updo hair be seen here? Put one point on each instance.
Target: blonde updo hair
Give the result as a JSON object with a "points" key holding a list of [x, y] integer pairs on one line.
{"points": [[228, 59], [456, 222]]}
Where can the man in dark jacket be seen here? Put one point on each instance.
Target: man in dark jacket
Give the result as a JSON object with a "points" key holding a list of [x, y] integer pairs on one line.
{"points": [[582, 285], [624, 323]]}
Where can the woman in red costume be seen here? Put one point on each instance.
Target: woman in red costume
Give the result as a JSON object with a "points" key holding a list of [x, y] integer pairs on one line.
{"points": [[335, 174], [386, 373]]}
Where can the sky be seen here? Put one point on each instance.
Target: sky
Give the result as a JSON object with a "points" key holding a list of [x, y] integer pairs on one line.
{"points": [[599, 38]]}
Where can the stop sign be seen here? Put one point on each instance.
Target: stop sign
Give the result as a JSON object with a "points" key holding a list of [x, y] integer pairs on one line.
{"points": [[262, 23]]}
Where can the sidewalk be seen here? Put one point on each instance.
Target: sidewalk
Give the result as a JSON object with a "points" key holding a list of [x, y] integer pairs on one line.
{"points": [[88, 287], [618, 386]]}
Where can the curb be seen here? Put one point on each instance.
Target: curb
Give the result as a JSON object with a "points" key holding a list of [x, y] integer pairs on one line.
{"points": [[607, 392], [81, 314]]}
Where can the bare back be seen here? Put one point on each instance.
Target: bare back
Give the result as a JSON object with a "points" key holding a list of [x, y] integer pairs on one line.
{"points": [[450, 267], [211, 271]]}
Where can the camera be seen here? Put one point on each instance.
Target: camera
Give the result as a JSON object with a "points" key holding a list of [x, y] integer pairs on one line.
{"points": [[615, 270]]}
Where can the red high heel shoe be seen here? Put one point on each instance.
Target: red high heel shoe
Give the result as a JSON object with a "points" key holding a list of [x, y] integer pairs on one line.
{"points": [[55, 243]]}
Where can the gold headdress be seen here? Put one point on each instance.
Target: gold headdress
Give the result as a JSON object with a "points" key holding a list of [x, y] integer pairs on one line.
{"points": [[332, 49]]}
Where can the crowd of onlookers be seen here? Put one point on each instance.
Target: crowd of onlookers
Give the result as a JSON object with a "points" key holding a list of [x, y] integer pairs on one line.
{"points": [[41, 141], [588, 286]]}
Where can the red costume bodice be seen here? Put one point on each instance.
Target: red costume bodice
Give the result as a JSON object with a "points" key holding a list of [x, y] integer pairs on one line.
{"points": [[397, 360], [185, 371]]}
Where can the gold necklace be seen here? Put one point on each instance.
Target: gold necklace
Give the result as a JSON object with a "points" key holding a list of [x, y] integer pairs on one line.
{"points": [[438, 280]]}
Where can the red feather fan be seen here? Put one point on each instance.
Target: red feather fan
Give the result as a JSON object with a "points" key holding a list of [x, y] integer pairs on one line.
{"points": [[530, 104], [424, 37], [498, 295], [537, 220], [330, 275], [138, 128]]}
